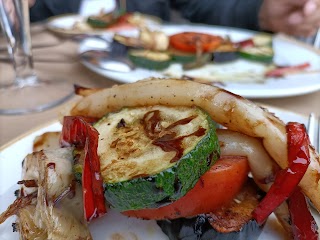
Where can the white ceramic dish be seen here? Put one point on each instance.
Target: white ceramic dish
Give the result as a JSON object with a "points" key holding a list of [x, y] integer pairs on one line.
{"points": [[287, 52], [107, 227], [113, 224], [65, 25]]}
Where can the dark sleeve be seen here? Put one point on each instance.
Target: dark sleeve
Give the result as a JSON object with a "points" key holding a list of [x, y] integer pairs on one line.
{"points": [[43, 9], [159, 8], [233, 13]]}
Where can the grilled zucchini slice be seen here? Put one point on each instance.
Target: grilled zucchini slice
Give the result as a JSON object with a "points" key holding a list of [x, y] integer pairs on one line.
{"points": [[149, 59], [150, 156], [101, 20], [263, 39], [185, 57], [261, 54], [262, 50]]}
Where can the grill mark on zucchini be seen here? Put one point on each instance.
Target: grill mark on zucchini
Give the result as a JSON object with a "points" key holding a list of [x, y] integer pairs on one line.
{"points": [[164, 138], [168, 143]]}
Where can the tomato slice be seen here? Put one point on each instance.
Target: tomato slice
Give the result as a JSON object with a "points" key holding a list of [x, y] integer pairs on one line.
{"points": [[215, 188], [187, 41], [122, 23]]}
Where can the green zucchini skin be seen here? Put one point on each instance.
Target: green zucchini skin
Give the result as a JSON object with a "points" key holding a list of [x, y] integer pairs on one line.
{"points": [[260, 57], [101, 21], [141, 59], [187, 58], [97, 23], [184, 57], [169, 185], [262, 51]]}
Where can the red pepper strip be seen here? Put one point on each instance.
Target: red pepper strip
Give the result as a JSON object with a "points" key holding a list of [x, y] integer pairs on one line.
{"points": [[303, 224], [281, 71], [89, 120], [287, 179], [90, 209], [76, 131], [245, 43]]}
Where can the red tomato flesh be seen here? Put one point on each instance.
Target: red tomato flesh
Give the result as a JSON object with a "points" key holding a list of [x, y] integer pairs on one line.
{"points": [[216, 187], [187, 41], [122, 23]]}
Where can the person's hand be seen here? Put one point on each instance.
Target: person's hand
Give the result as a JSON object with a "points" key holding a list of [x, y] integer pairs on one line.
{"points": [[294, 17], [31, 2]]}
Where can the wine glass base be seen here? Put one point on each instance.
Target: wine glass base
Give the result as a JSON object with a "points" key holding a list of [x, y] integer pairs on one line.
{"points": [[42, 95]]}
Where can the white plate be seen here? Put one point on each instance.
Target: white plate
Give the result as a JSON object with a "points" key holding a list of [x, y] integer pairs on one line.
{"points": [[287, 52], [64, 25], [12, 154]]}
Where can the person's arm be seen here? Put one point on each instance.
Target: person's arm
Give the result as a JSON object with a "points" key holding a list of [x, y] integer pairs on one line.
{"points": [[233, 13], [294, 17], [159, 8], [42, 9]]}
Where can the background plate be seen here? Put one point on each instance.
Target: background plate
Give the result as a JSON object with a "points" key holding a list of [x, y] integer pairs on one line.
{"points": [[287, 52], [63, 24]]}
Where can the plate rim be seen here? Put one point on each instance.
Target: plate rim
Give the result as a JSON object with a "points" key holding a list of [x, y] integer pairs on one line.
{"points": [[68, 32], [93, 31], [27, 133]]}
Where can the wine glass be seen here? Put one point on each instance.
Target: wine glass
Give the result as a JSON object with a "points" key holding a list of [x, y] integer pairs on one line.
{"points": [[25, 93]]}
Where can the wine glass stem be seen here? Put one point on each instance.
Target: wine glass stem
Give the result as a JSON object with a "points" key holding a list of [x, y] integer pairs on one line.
{"points": [[23, 66], [22, 50], [17, 29]]}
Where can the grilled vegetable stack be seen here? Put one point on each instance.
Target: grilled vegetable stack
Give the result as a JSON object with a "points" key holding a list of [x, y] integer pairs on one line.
{"points": [[151, 156]]}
